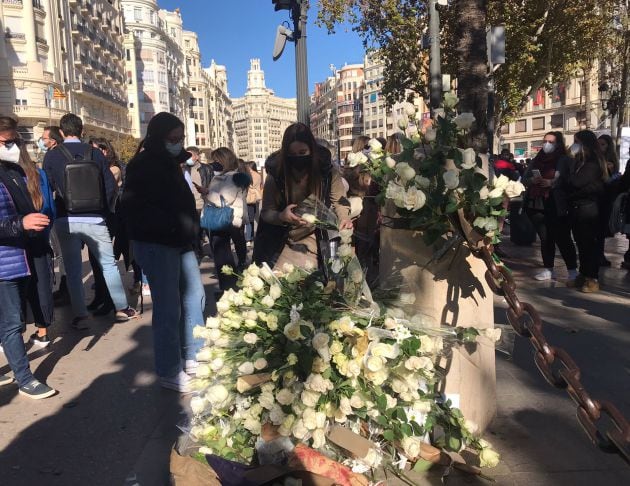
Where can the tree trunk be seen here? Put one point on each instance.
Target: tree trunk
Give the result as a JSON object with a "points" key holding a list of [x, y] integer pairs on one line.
{"points": [[472, 67], [623, 95], [587, 95]]}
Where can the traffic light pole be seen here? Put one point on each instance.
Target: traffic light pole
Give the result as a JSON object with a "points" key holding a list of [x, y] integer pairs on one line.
{"points": [[301, 68]]}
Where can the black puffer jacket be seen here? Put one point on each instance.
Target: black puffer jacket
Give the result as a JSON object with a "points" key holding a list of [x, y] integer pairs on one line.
{"points": [[157, 204]]}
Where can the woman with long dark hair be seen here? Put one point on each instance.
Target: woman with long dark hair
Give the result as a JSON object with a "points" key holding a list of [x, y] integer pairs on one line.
{"points": [[40, 288], [163, 225], [587, 177], [547, 207], [301, 169]]}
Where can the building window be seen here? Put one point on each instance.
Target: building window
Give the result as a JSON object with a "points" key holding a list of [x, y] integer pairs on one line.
{"points": [[128, 54], [557, 121], [21, 96], [521, 126], [505, 129], [137, 14], [538, 123]]}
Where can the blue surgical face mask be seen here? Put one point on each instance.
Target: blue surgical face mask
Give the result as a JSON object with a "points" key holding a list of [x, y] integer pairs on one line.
{"points": [[174, 148], [190, 162], [41, 145]]}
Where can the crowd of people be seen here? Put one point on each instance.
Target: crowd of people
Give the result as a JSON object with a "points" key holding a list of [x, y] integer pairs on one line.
{"points": [[170, 206], [569, 200]]}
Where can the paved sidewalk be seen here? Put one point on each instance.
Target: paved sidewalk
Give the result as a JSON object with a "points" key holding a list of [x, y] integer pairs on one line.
{"points": [[111, 425]]}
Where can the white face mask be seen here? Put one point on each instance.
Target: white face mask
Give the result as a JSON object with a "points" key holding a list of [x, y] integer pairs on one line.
{"points": [[174, 148], [548, 147], [10, 153], [575, 149], [190, 162]]}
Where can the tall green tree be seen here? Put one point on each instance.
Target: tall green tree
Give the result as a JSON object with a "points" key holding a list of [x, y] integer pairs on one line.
{"points": [[547, 41]]}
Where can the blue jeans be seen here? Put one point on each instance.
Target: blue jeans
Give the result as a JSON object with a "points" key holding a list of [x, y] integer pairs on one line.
{"points": [[12, 296], [178, 299], [99, 242]]}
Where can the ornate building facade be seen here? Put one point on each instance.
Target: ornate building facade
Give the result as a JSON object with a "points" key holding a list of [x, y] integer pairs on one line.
{"points": [[260, 117]]}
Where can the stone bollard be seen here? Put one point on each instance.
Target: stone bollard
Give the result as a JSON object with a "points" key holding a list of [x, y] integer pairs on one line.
{"points": [[453, 292]]}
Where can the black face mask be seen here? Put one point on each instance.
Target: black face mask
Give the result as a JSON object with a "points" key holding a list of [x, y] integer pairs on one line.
{"points": [[217, 167], [299, 163]]}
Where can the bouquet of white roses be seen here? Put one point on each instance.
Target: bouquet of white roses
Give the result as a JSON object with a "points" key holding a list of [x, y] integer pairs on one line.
{"points": [[287, 351], [434, 181]]}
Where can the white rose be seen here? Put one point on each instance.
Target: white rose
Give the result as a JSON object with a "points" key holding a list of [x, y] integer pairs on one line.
{"points": [[514, 189], [464, 121], [268, 301], [356, 401], [496, 193], [356, 159], [430, 134], [309, 218], [403, 123], [292, 359], [197, 405], [272, 322], [292, 332], [468, 158], [320, 340], [257, 283], [494, 334], [395, 192], [285, 428], [309, 417], [204, 354], [399, 386], [345, 251], [375, 363], [405, 171], [412, 131], [422, 182], [502, 181], [378, 377], [275, 292], [375, 145], [250, 338], [336, 347], [310, 398], [318, 383], [450, 100], [217, 395], [372, 459], [260, 364], [247, 368], [285, 397], [267, 274], [422, 406], [412, 447], [252, 425], [391, 401], [212, 322], [451, 179], [319, 439], [216, 364], [344, 406], [266, 400], [484, 193], [415, 199], [389, 162], [488, 458], [299, 430], [353, 369], [340, 416]]}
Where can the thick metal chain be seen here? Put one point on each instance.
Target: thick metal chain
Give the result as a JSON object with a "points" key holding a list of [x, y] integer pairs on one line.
{"points": [[602, 421]]}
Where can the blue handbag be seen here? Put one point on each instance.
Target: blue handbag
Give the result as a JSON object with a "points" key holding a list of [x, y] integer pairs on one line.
{"points": [[217, 218]]}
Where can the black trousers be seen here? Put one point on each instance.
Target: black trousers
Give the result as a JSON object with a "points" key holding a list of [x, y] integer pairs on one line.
{"points": [[39, 292], [553, 230], [221, 242], [585, 223]]}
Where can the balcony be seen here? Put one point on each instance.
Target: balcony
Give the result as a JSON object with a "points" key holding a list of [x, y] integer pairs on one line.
{"points": [[15, 35], [41, 41], [14, 3]]}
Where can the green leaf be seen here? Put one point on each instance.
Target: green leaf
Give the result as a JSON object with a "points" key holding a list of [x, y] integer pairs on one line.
{"points": [[422, 466], [406, 430], [381, 420], [388, 435], [381, 402], [454, 443]]}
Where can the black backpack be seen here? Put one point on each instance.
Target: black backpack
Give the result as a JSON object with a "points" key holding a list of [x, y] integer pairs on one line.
{"points": [[83, 183]]}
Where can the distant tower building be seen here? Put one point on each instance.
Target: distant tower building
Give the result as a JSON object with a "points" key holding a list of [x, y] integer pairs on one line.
{"points": [[260, 117]]}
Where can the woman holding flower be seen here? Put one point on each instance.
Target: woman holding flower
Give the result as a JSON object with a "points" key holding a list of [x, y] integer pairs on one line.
{"points": [[299, 171]]}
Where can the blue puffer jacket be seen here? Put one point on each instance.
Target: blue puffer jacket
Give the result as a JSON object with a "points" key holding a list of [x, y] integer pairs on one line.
{"points": [[13, 261]]}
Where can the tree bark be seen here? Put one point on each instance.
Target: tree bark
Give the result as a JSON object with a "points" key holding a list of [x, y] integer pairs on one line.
{"points": [[623, 95], [472, 66]]}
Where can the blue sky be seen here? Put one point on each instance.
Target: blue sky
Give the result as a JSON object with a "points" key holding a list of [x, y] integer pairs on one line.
{"points": [[234, 31]]}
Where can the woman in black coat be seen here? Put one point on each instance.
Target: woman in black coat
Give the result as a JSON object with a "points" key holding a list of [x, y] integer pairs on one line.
{"points": [[587, 176]]}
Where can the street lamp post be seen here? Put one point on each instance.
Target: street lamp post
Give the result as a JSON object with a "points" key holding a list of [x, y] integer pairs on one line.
{"points": [[299, 10], [435, 67], [610, 105]]}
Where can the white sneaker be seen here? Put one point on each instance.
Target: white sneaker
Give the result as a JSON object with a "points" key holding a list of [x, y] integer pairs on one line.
{"points": [[190, 367], [179, 383], [546, 274], [573, 274]]}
